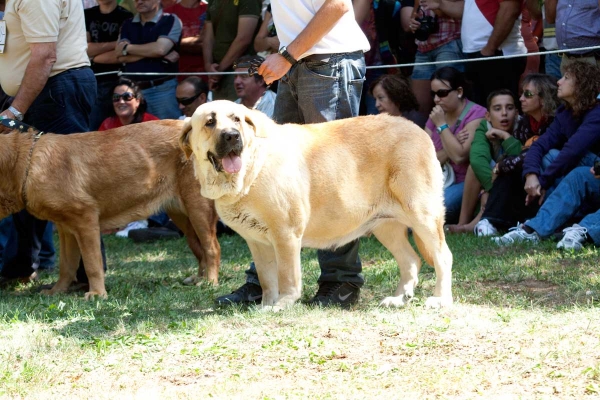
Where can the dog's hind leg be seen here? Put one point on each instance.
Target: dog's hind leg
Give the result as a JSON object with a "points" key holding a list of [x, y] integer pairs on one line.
{"points": [[431, 241], [88, 239], [69, 261], [394, 236]]}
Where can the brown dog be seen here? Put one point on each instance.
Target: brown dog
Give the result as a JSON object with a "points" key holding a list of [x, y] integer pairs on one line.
{"points": [[282, 187], [90, 182]]}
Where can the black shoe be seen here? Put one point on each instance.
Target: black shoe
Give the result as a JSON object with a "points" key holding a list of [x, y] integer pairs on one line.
{"points": [[152, 234], [342, 294], [9, 282], [248, 293]]}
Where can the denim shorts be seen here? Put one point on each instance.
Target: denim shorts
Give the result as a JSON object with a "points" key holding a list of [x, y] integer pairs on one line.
{"points": [[449, 52]]}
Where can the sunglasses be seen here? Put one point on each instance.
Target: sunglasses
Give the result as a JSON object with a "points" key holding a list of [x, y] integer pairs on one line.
{"points": [[127, 96], [528, 94], [441, 93], [186, 101]]}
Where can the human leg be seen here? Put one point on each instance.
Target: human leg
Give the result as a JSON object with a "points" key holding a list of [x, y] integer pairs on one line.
{"points": [[453, 201], [161, 100], [470, 199]]}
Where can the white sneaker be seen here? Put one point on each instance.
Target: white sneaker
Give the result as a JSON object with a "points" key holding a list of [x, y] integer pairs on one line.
{"points": [[573, 239], [515, 235], [485, 228], [130, 226]]}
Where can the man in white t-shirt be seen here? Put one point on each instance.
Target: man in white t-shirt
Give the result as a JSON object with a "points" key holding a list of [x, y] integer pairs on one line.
{"points": [[252, 90], [321, 69]]}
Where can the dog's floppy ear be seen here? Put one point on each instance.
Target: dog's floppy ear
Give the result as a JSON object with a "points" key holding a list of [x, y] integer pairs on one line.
{"points": [[255, 119], [184, 138]]}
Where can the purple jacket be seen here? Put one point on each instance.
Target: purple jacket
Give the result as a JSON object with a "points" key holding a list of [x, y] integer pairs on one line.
{"points": [[574, 137]]}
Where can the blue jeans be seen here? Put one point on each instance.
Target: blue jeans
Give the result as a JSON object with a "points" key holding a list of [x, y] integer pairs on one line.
{"points": [[47, 253], [552, 65], [318, 91], [161, 100], [577, 189], [586, 161], [103, 106], [63, 106], [449, 52], [453, 195]]}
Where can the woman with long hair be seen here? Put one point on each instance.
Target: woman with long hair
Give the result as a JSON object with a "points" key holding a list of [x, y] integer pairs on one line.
{"points": [[451, 126], [394, 96], [129, 106]]}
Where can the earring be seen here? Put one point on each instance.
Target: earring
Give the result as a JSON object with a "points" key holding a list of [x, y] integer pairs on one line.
{"points": [[460, 96]]}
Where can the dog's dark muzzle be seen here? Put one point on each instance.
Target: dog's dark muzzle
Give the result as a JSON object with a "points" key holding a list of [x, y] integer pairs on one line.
{"points": [[229, 141]]}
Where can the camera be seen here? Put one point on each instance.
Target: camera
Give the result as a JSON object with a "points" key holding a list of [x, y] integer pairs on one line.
{"points": [[428, 26], [597, 167]]}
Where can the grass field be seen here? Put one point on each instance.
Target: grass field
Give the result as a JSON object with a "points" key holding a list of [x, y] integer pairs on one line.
{"points": [[525, 324]]}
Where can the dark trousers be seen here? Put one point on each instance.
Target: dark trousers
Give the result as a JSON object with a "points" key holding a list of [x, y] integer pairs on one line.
{"points": [[63, 107], [488, 76], [506, 204]]}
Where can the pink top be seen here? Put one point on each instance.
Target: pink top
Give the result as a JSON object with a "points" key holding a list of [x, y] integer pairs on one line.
{"points": [[476, 112]]}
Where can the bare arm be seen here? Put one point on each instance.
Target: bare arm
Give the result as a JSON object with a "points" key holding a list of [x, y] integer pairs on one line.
{"points": [[157, 49], [108, 57], [405, 14], [505, 20], [534, 8], [455, 150], [275, 66], [262, 41], [451, 8], [208, 42], [191, 45], [550, 8], [43, 57], [361, 10], [245, 32]]}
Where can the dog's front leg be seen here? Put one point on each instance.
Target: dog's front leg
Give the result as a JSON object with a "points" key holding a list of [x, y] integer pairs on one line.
{"points": [[287, 251], [266, 267]]}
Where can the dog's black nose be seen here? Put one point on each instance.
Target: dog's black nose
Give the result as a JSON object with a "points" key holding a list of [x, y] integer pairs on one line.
{"points": [[231, 137]]}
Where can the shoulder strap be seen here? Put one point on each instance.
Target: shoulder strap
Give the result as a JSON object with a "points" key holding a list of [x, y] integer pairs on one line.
{"points": [[463, 114]]}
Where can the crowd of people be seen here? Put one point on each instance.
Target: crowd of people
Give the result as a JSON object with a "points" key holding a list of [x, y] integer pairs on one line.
{"points": [[517, 136]]}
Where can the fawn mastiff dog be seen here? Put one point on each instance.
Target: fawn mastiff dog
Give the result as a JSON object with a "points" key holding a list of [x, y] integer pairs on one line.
{"points": [[89, 182], [282, 187]]}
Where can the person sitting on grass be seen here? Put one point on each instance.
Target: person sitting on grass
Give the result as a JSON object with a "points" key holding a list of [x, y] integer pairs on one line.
{"points": [[394, 96], [506, 206], [578, 191], [493, 139]]}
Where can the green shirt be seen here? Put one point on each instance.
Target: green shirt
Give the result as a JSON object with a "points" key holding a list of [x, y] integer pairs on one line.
{"points": [[224, 15], [484, 151]]}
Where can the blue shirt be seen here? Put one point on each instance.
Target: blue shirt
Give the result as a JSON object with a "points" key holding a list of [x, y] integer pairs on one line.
{"points": [[574, 137], [162, 25], [577, 24]]}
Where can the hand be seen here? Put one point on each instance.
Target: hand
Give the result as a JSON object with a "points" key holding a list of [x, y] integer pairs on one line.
{"points": [[463, 135], [494, 133], [172, 57], [119, 48], [414, 24], [533, 188], [213, 80], [430, 4], [437, 115], [5, 114], [591, 170], [487, 51], [273, 68]]}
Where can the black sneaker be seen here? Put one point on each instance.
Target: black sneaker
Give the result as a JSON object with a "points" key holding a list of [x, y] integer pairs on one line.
{"points": [[248, 293], [147, 235], [342, 294]]}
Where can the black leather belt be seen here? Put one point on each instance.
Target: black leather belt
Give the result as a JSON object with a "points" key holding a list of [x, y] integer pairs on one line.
{"points": [[325, 57], [142, 85]]}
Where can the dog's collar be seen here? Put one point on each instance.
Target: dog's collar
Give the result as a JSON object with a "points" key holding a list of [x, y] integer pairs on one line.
{"points": [[18, 125]]}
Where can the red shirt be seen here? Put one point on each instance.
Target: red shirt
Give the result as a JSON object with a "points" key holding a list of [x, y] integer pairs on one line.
{"points": [[192, 20], [115, 122]]}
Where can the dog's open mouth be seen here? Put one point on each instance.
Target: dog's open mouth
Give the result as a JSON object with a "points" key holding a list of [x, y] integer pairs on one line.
{"points": [[231, 163]]}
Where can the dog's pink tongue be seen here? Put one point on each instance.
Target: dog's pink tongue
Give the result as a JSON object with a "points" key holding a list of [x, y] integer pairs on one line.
{"points": [[232, 163]]}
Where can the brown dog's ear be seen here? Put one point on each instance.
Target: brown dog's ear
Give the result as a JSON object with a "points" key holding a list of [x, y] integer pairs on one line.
{"points": [[255, 120], [184, 138]]}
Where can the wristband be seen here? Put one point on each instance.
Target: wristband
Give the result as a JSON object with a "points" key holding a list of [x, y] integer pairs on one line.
{"points": [[439, 129], [285, 54]]}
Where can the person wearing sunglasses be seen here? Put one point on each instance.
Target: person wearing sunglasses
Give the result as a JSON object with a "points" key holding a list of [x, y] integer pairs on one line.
{"points": [[191, 93], [572, 140], [129, 106], [502, 184], [451, 126]]}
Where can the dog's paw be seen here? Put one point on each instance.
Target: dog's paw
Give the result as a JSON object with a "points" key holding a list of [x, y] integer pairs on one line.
{"points": [[438, 302], [192, 280], [92, 295], [267, 309], [398, 301]]}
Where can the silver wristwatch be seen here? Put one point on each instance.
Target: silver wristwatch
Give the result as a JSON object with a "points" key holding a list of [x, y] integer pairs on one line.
{"points": [[18, 115]]}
